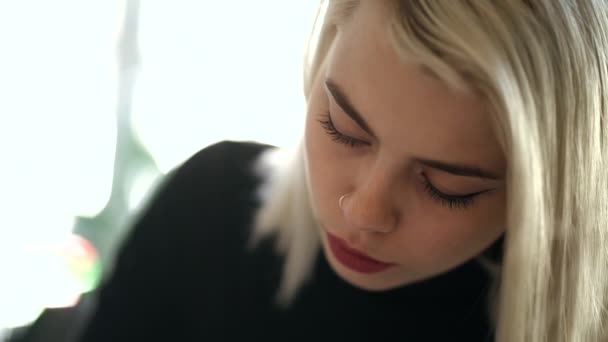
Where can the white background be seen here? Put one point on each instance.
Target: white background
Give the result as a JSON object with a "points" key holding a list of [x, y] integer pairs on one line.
{"points": [[209, 71]]}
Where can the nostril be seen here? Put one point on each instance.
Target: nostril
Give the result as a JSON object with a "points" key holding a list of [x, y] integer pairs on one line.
{"points": [[369, 218], [369, 209]]}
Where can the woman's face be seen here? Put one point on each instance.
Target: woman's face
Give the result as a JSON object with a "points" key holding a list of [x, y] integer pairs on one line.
{"points": [[420, 167]]}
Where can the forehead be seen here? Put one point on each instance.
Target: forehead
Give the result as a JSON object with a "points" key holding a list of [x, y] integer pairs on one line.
{"points": [[408, 108]]}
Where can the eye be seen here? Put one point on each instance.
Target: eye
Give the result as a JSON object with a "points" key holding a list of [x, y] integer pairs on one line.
{"points": [[450, 201], [329, 127]]}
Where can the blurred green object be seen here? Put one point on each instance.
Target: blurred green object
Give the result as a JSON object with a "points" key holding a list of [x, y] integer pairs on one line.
{"points": [[131, 161]]}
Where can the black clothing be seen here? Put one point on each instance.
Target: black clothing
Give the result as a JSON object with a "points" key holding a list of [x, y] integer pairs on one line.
{"points": [[183, 274]]}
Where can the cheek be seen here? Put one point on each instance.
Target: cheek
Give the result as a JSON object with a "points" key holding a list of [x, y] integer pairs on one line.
{"points": [[444, 239], [328, 180], [466, 237]]}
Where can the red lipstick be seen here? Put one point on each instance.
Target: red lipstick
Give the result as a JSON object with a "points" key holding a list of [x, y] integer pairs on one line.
{"points": [[353, 259]]}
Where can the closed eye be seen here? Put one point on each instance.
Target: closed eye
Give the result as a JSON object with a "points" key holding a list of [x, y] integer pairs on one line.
{"points": [[448, 200], [337, 136], [451, 201]]}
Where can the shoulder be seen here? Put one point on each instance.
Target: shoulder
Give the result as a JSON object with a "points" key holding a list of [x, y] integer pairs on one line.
{"points": [[222, 160], [229, 152], [212, 194], [203, 207], [213, 188], [212, 174], [210, 222], [196, 220]]}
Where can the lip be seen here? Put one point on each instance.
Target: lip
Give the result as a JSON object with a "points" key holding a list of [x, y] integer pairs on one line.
{"points": [[353, 259]]}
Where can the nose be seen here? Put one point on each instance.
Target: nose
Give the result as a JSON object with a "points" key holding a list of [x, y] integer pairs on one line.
{"points": [[370, 207]]}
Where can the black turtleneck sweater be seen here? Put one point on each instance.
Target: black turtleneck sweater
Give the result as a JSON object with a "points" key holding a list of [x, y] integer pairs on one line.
{"points": [[184, 274]]}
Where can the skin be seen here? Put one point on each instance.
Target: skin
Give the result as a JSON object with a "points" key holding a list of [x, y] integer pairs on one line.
{"points": [[389, 214]]}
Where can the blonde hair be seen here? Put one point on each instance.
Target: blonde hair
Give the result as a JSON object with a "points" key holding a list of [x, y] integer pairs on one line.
{"points": [[542, 65]]}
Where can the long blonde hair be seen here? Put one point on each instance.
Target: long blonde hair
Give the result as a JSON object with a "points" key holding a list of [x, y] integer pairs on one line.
{"points": [[542, 65]]}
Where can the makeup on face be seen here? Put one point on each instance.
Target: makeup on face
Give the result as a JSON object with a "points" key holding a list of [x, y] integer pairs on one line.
{"points": [[415, 155], [353, 259]]}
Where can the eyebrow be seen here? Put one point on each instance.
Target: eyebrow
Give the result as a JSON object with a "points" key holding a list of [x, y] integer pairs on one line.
{"points": [[456, 169], [345, 104], [459, 169]]}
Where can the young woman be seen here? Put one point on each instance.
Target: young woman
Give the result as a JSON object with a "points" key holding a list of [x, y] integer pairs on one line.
{"points": [[451, 185]]}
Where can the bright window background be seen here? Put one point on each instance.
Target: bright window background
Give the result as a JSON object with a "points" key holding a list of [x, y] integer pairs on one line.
{"points": [[178, 74]]}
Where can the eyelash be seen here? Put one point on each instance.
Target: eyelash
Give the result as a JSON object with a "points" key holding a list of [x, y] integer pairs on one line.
{"points": [[450, 201], [336, 136]]}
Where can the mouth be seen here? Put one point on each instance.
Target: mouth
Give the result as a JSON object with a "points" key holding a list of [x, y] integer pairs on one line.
{"points": [[353, 259]]}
